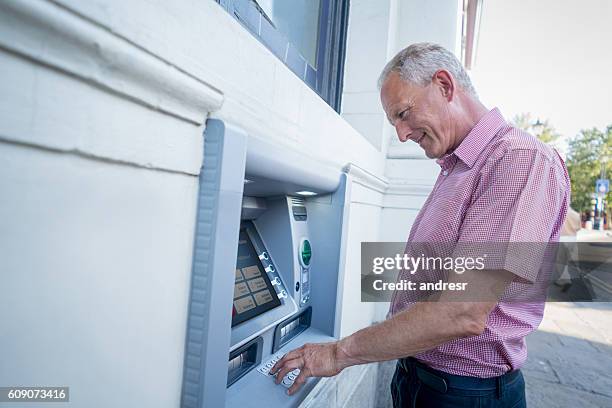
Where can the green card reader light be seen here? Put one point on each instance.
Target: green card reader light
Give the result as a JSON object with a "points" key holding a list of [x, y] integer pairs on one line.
{"points": [[305, 252], [305, 256]]}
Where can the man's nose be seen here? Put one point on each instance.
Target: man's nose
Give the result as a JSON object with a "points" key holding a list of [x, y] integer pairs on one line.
{"points": [[403, 132]]}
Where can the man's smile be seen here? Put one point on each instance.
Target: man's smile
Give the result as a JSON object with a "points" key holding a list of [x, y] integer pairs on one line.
{"points": [[418, 140]]}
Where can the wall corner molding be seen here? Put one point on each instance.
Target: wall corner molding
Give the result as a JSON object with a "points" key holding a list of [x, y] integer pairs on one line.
{"points": [[409, 151], [366, 179], [403, 187]]}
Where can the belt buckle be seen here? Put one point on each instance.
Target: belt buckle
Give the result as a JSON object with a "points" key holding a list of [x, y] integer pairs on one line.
{"points": [[433, 381]]}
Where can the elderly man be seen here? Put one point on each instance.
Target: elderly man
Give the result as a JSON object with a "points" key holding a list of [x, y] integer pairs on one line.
{"points": [[496, 184]]}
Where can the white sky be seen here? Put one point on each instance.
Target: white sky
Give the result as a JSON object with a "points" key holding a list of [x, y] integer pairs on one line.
{"points": [[552, 58]]}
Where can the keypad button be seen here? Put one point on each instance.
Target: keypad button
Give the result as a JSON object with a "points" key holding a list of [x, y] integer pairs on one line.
{"points": [[265, 367]]}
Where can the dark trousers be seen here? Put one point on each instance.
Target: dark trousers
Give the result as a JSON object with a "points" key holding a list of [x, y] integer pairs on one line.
{"points": [[417, 385]]}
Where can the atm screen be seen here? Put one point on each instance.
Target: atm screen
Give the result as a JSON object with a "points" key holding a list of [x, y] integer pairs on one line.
{"points": [[253, 292]]}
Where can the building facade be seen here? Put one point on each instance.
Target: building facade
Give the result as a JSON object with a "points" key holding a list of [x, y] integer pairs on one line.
{"points": [[103, 109]]}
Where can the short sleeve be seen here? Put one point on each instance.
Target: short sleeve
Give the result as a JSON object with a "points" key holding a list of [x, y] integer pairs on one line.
{"points": [[519, 205]]}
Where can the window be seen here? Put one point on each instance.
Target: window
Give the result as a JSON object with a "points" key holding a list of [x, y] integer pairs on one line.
{"points": [[309, 36]]}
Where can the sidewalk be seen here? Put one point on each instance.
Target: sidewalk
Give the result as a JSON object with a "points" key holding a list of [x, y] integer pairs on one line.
{"points": [[570, 357], [594, 235]]}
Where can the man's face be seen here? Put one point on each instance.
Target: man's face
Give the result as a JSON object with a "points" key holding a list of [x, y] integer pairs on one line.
{"points": [[420, 114]]}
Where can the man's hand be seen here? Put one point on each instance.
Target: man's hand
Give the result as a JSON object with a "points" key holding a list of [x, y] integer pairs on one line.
{"points": [[420, 328], [313, 360]]}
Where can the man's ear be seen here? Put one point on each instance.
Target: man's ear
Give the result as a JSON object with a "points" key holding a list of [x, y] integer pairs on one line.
{"points": [[445, 82]]}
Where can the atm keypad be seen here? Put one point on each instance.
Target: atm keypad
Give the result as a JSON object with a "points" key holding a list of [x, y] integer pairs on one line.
{"points": [[287, 379], [290, 378], [265, 367]]}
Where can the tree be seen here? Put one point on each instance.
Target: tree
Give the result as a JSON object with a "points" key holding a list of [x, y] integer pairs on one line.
{"points": [[542, 130], [587, 152]]}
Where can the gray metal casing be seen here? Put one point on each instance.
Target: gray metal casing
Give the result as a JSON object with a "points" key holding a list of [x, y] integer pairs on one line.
{"points": [[282, 237], [210, 337], [218, 218]]}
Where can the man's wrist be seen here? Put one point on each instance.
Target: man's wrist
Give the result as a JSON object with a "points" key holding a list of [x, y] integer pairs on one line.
{"points": [[344, 353]]}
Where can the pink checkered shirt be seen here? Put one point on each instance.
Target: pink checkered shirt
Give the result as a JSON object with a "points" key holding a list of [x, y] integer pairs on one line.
{"points": [[499, 185]]}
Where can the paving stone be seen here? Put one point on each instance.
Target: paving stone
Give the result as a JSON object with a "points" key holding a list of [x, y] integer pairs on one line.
{"points": [[574, 343], [363, 395], [595, 379], [350, 378], [540, 369], [383, 382], [542, 394], [570, 357], [579, 329], [323, 395]]}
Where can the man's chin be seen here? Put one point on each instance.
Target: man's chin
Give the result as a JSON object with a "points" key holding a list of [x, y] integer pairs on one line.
{"points": [[430, 154]]}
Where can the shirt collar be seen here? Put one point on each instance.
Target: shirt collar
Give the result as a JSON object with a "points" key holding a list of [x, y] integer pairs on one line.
{"points": [[476, 140]]}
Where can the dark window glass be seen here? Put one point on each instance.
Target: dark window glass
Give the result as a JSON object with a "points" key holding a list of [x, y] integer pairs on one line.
{"points": [[309, 36], [298, 21]]}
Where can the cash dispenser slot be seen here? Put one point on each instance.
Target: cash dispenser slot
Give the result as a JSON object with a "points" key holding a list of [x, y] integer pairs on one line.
{"points": [[290, 328], [244, 359]]}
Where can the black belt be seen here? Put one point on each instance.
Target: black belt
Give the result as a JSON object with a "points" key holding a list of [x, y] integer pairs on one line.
{"points": [[441, 381]]}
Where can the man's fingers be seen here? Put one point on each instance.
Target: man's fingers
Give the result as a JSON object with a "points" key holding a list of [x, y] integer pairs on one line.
{"points": [[299, 381], [281, 363], [289, 356], [286, 369], [278, 364]]}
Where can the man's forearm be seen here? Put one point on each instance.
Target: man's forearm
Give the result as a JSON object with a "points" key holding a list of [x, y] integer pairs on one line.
{"points": [[428, 324], [422, 327]]}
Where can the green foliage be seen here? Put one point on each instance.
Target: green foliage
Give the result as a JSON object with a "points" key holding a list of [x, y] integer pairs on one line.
{"points": [[542, 130], [586, 152]]}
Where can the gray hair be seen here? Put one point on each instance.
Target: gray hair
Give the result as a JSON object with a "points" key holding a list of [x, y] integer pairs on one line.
{"points": [[418, 63]]}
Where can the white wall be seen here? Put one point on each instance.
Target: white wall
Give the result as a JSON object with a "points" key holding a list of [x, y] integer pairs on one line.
{"points": [[430, 21], [259, 93], [366, 204], [95, 272], [101, 121], [408, 171], [101, 126], [369, 42], [388, 201]]}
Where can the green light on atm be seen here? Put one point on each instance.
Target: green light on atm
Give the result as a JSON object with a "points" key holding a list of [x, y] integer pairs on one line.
{"points": [[306, 252]]}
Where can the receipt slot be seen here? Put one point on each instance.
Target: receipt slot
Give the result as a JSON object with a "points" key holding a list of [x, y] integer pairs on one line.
{"points": [[266, 266]]}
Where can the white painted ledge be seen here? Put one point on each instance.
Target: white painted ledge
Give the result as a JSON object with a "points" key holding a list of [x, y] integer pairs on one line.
{"points": [[405, 187], [55, 37], [366, 179], [408, 150], [260, 94]]}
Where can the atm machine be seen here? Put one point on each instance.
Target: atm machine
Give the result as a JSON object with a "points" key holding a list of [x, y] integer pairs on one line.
{"points": [[268, 255]]}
